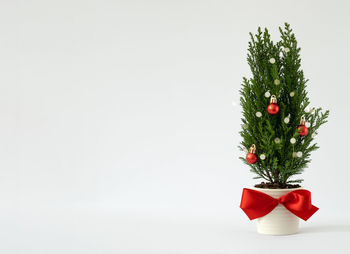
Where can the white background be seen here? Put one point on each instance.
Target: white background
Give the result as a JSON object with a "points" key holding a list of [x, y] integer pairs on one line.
{"points": [[119, 125]]}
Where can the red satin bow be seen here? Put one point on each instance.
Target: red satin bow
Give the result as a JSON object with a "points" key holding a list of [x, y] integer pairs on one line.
{"points": [[257, 204]]}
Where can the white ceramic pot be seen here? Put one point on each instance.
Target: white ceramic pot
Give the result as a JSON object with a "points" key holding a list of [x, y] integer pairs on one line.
{"points": [[279, 221]]}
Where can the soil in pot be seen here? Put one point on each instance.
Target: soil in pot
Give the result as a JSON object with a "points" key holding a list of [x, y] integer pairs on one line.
{"points": [[276, 186]]}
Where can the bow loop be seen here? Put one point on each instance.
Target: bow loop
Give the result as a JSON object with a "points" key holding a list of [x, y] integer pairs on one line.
{"points": [[257, 204]]}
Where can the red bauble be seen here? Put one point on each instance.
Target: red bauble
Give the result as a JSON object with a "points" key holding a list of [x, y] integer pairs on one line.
{"points": [[251, 158], [273, 108], [303, 130]]}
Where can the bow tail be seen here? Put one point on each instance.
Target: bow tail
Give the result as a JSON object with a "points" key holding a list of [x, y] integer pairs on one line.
{"points": [[304, 214]]}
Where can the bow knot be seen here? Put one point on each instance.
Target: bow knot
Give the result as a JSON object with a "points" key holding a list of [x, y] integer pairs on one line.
{"points": [[257, 204]]}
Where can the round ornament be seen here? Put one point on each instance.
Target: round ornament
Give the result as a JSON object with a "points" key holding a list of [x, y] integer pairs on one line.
{"points": [[251, 156], [303, 130], [273, 108]]}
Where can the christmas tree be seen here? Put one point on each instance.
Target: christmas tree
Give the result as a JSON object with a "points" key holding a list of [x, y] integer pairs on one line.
{"points": [[279, 127]]}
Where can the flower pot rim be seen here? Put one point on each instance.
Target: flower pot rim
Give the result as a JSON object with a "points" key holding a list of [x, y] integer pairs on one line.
{"points": [[292, 189]]}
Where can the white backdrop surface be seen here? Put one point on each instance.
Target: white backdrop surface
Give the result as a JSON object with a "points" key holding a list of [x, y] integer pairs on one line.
{"points": [[119, 125]]}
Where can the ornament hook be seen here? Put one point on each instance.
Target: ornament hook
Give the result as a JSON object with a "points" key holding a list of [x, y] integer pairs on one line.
{"points": [[252, 148], [273, 99]]}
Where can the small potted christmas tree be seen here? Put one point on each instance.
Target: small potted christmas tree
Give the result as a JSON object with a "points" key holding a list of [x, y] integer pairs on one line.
{"points": [[278, 130]]}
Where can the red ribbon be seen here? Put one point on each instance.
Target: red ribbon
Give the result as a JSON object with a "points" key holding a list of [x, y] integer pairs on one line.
{"points": [[256, 204]]}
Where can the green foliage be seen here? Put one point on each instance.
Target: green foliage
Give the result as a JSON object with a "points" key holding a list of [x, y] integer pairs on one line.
{"points": [[280, 163]]}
